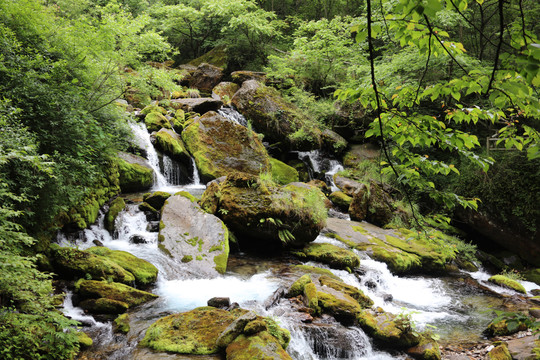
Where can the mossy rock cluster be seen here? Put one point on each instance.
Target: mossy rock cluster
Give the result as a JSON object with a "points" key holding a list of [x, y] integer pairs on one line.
{"points": [[341, 200], [135, 176], [220, 146], [109, 297], [329, 295], [121, 324], [262, 213], [280, 121], [332, 255], [116, 206], [402, 250], [503, 328], [508, 283], [102, 263], [208, 330]]}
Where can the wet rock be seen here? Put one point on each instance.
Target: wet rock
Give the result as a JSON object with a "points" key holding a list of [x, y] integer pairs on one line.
{"points": [[279, 120], [121, 324], [235, 329], [499, 353], [135, 173], [155, 200], [388, 297], [334, 256], [348, 186], [199, 105], [401, 249], [427, 349], [388, 329], [156, 121], [259, 346], [221, 146], [198, 239], [117, 205], [171, 144], [282, 173], [340, 200], [224, 91], [264, 215], [219, 302], [153, 226], [97, 243]]}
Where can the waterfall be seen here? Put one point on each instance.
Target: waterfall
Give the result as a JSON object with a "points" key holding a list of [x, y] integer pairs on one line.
{"points": [[321, 166], [143, 140], [231, 114], [195, 179]]}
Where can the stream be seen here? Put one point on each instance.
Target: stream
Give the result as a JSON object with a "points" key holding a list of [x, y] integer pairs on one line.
{"points": [[450, 306]]}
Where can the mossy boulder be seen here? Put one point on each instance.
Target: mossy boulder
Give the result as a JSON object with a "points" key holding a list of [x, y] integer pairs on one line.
{"points": [[280, 121], [533, 276], [259, 346], [192, 332], [503, 327], [117, 205], [71, 263], [171, 144], [225, 91], [375, 206], [508, 283], [500, 352], [244, 75], [205, 77], [333, 143], [121, 324], [217, 57], [427, 349], [330, 295], [84, 340], [340, 200], [156, 199], [393, 331], [111, 295], [402, 250], [153, 108], [144, 272], [187, 232], [104, 306], [348, 186], [135, 173], [282, 173], [332, 255], [221, 146], [262, 213], [155, 121]]}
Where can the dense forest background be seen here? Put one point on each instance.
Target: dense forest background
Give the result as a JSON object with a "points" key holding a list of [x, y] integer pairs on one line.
{"points": [[428, 80]]}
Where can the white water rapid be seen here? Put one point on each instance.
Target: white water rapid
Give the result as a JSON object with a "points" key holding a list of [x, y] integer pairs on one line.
{"points": [[231, 114], [320, 164]]}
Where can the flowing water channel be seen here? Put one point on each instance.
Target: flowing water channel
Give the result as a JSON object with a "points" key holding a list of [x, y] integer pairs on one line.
{"points": [[451, 304]]}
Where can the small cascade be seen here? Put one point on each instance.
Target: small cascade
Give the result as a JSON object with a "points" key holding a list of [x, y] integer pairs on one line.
{"points": [[78, 314], [320, 166], [143, 140], [482, 277], [231, 114], [195, 179], [172, 171]]}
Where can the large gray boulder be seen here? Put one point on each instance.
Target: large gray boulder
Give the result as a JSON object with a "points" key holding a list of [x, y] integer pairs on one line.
{"points": [[194, 237]]}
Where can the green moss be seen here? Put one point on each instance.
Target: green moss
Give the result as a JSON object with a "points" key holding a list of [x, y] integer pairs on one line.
{"points": [[104, 306], [315, 270], [146, 207], [71, 263], [282, 335], [192, 332], [116, 207], [348, 290], [340, 199], [360, 229], [499, 353], [342, 307], [122, 324], [144, 272], [217, 57], [156, 200], [297, 288], [385, 328], [533, 276], [114, 291], [222, 259], [187, 258], [153, 108], [161, 247], [260, 346], [507, 283], [171, 144], [187, 195], [310, 292], [332, 255], [283, 173], [84, 340], [155, 121], [134, 177]]}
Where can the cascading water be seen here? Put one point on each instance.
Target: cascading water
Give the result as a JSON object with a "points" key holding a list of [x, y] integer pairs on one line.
{"points": [[318, 164], [231, 114], [143, 140]]}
